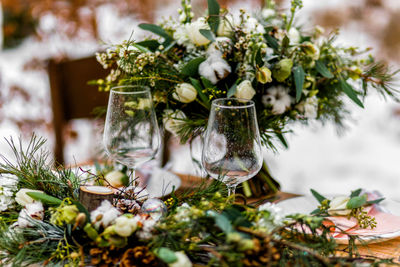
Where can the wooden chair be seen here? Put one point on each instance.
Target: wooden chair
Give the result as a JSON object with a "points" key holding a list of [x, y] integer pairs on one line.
{"points": [[71, 96]]}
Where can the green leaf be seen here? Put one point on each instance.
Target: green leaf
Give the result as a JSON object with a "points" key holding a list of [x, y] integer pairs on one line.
{"points": [[157, 30], [213, 12], [356, 202], [166, 255], [282, 139], [208, 34], [271, 41], [316, 211], [44, 198], [323, 70], [206, 82], [142, 48], [223, 223], [191, 68], [356, 193], [349, 91], [199, 88], [376, 201], [150, 44], [232, 90], [299, 75], [317, 195]]}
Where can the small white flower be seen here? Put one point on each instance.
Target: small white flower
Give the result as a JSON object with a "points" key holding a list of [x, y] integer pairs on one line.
{"points": [[294, 35], [182, 261], [278, 98], [182, 213], [185, 93], [245, 90], [108, 214], [267, 13], [337, 206], [173, 120], [214, 68], [22, 198], [193, 31], [8, 185], [33, 210], [125, 226], [253, 26], [309, 107]]}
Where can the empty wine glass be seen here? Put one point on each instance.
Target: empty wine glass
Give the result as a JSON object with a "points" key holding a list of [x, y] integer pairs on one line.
{"points": [[131, 133], [232, 149]]}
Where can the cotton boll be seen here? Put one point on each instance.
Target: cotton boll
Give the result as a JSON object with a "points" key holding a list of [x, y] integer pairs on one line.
{"points": [[214, 68]]}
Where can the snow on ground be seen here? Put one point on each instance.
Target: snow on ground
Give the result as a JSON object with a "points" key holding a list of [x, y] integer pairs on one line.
{"points": [[366, 155]]}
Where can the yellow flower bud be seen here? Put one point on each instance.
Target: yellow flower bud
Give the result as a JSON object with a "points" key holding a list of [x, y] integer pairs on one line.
{"points": [[282, 69], [263, 75]]}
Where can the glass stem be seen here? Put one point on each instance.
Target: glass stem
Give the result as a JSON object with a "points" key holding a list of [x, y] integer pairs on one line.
{"points": [[231, 190], [132, 177]]}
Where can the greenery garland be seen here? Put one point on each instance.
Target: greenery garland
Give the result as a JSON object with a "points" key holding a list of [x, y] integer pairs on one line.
{"points": [[201, 227]]}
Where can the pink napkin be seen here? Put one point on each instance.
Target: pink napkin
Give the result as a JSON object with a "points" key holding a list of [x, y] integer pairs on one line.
{"points": [[386, 223]]}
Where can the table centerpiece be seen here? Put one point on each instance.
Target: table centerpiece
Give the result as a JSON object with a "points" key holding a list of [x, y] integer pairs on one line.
{"points": [[292, 74]]}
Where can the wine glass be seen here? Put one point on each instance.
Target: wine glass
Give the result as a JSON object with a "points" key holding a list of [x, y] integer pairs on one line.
{"points": [[232, 149], [131, 133]]}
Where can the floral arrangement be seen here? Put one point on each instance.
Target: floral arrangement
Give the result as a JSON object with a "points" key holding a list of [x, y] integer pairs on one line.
{"points": [[42, 221], [292, 74]]}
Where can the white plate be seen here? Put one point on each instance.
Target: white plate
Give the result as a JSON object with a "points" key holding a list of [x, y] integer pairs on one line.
{"points": [[306, 204], [161, 182]]}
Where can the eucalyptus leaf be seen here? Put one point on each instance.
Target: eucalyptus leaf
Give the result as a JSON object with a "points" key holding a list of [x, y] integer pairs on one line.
{"points": [[156, 30], [356, 202], [323, 70], [197, 85], [150, 44], [213, 12], [272, 42], [376, 201], [44, 198], [191, 68], [232, 90], [318, 196], [142, 48], [299, 75], [208, 34], [206, 82], [356, 193], [166, 255], [223, 223], [349, 91]]}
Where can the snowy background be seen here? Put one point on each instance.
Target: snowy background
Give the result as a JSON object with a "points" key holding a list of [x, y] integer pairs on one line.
{"points": [[366, 155]]}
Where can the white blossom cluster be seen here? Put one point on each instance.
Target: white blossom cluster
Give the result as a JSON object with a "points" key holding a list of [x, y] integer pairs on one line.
{"points": [[8, 186], [271, 217]]}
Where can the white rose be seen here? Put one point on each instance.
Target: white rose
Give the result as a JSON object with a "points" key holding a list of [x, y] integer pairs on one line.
{"points": [[337, 206], [225, 27], [245, 90], [267, 13], [125, 226], [22, 198], [116, 178], [185, 93], [294, 36], [173, 119], [182, 261], [193, 31]]}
